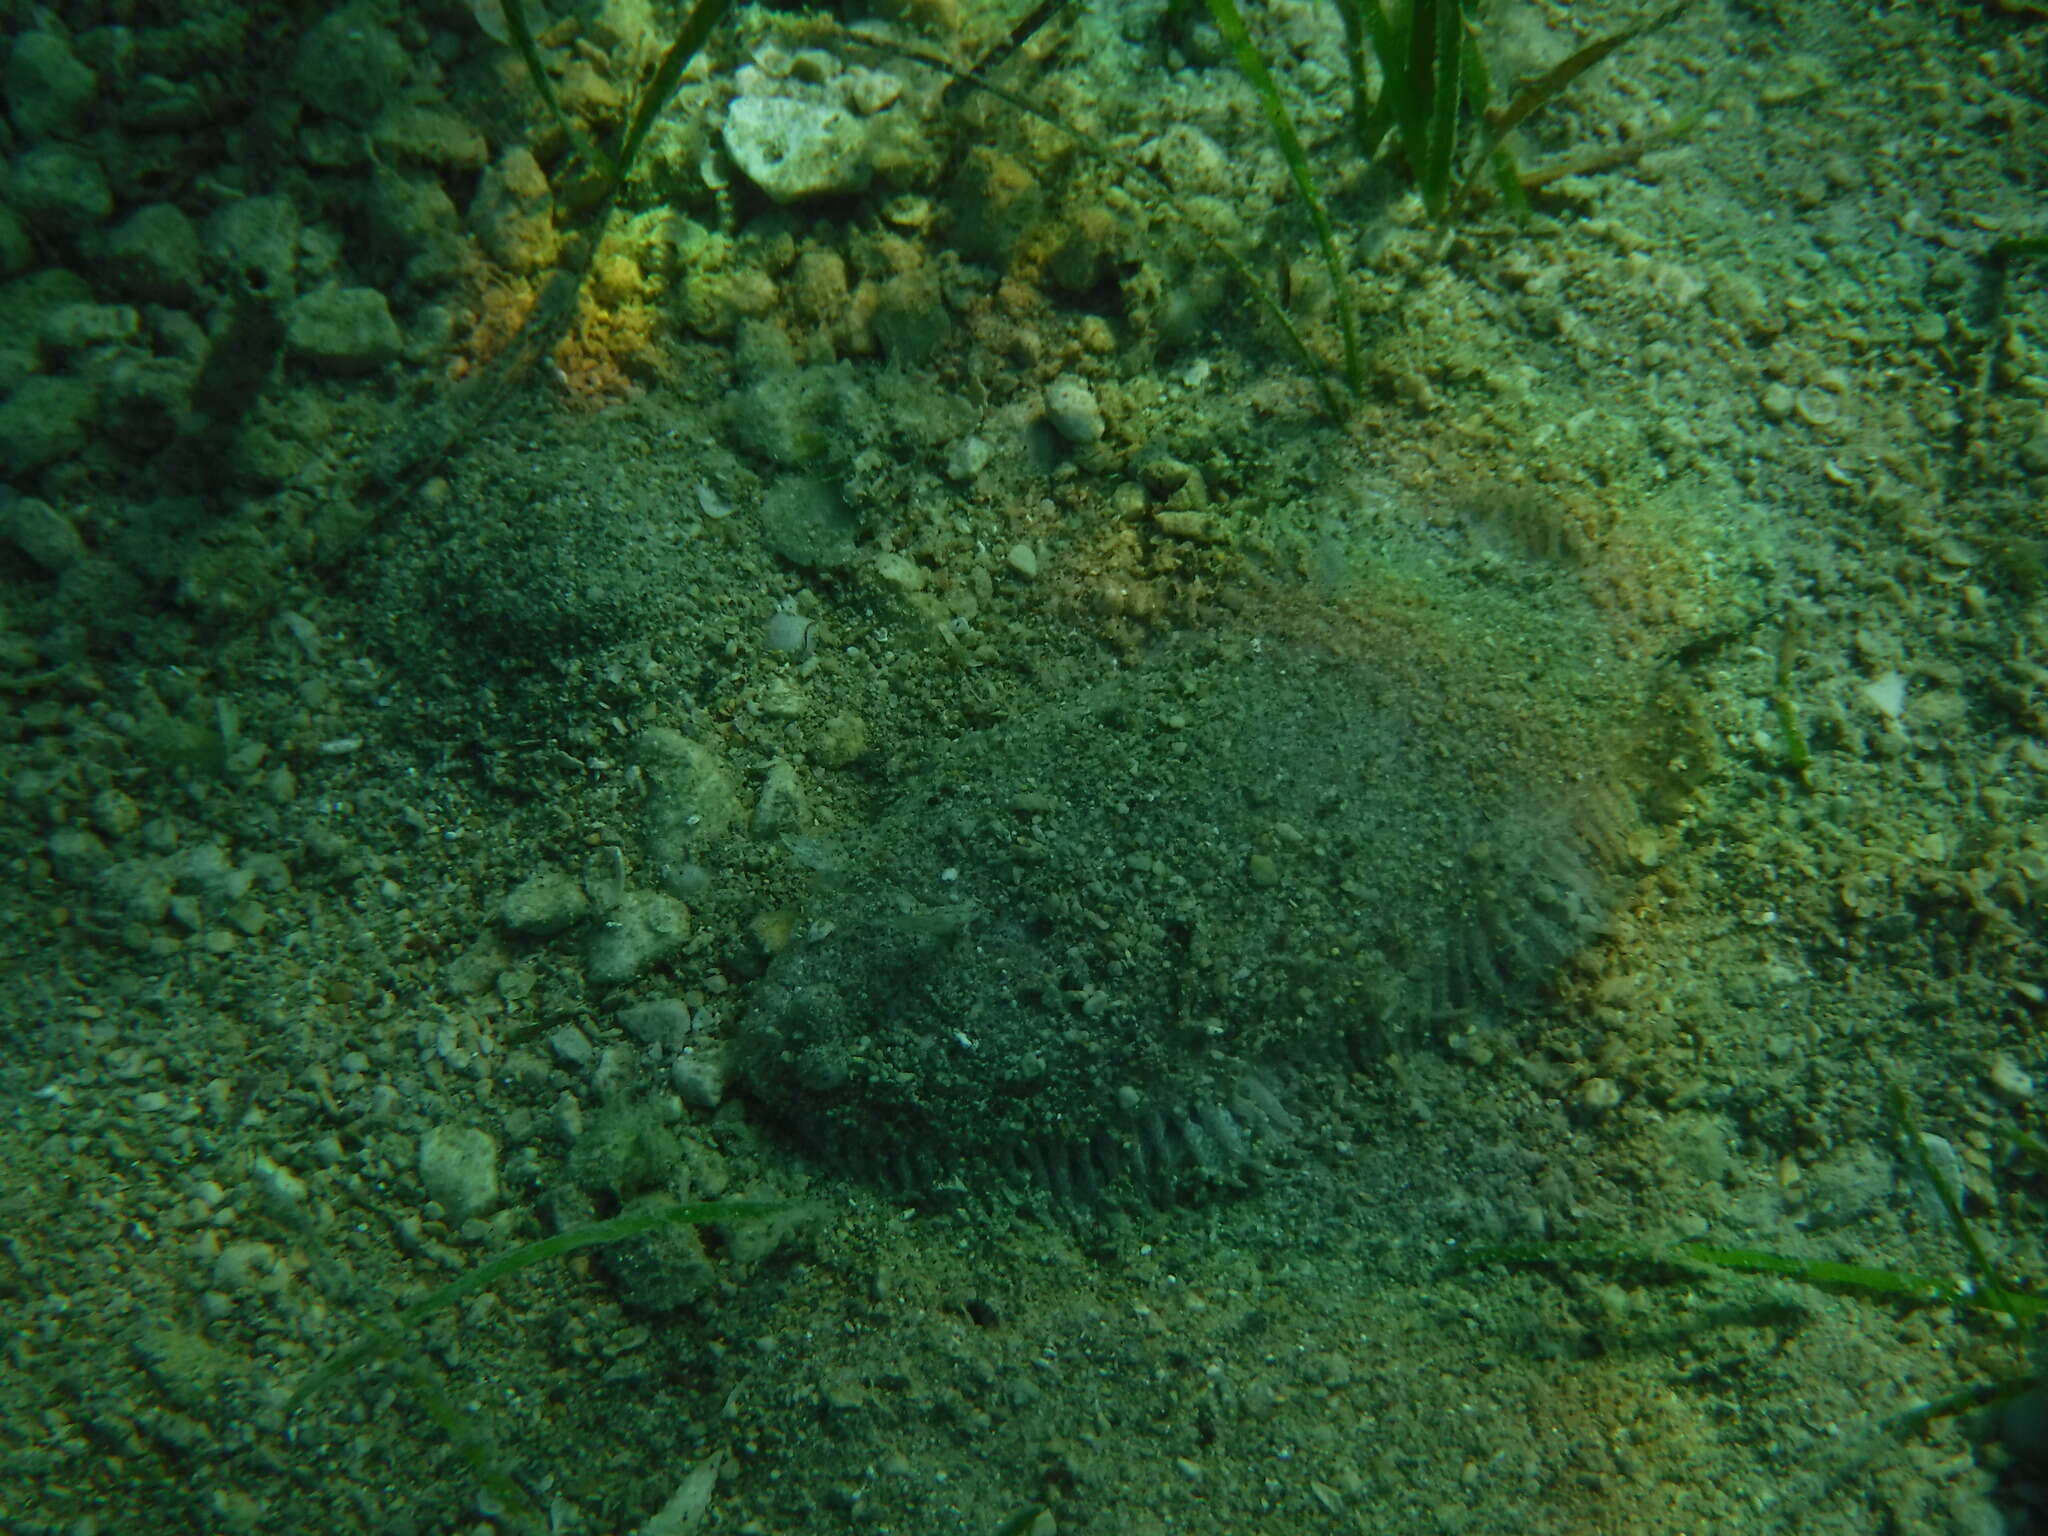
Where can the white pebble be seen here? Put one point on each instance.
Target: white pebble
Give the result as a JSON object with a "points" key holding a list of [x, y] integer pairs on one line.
{"points": [[699, 1080], [968, 457], [278, 1183], [459, 1166], [788, 631], [2009, 1079], [1071, 407], [1886, 695], [247, 1266], [900, 572]]}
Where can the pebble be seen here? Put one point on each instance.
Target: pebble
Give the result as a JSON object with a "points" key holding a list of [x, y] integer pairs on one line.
{"points": [[544, 904], [1071, 407], [278, 1183], [1023, 560], [793, 148], [41, 532], [780, 807], [699, 1080], [572, 1046], [661, 1021], [1600, 1094], [248, 1266], [968, 457], [900, 572], [869, 91], [49, 92], [2009, 1080], [344, 330], [459, 1166], [691, 800], [789, 631], [1817, 407], [646, 927]]}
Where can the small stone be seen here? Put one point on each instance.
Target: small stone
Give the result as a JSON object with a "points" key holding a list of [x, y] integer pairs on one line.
{"points": [[1886, 693], [249, 1266], [699, 1081], [47, 418], [59, 189], [1817, 407], [2034, 454], [2009, 1080], [968, 457], [344, 330], [1263, 870], [77, 855], [1848, 1184], [1776, 401], [1195, 527], [808, 523], [115, 813], [85, 327], [254, 241], [1071, 407], [663, 1021], [426, 136], [279, 1184], [842, 741], [1023, 560], [869, 91], [513, 214], [572, 1047], [351, 64], [788, 631], [780, 806], [646, 927], [48, 90], [900, 572], [780, 699], [661, 1271], [1600, 1094], [1193, 164], [1930, 328], [459, 1166], [691, 802], [544, 905], [42, 533], [794, 148]]}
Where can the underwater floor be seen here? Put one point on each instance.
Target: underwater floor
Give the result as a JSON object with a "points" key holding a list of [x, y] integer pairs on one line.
{"points": [[1063, 905]]}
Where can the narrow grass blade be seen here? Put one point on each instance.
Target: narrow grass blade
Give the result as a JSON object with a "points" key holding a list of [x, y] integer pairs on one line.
{"points": [[1984, 1394], [1857, 1279], [1230, 22], [1390, 46], [1552, 83], [1993, 1295], [618, 1229], [1039, 17], [529, 50], [1440, 66], [1351, 14], [1139, 172], [472, 1445], [697, 26]]}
